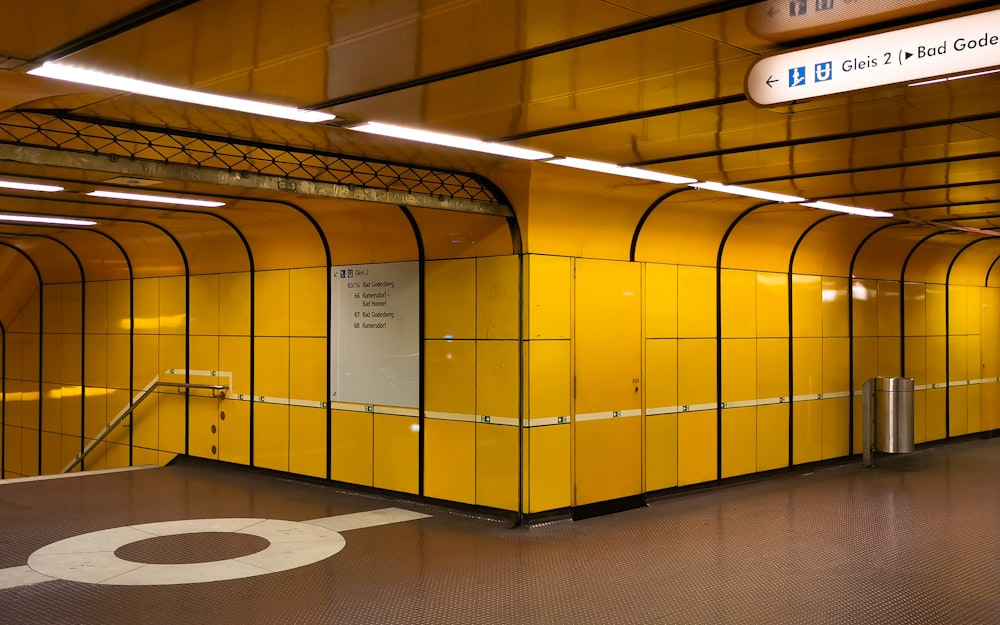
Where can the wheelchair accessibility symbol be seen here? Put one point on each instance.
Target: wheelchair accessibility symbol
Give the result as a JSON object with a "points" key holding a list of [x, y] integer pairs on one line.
{"points": [[91, 558]]}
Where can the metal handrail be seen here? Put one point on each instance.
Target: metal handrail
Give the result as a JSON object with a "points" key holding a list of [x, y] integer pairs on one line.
{"points": [[146, 392]]}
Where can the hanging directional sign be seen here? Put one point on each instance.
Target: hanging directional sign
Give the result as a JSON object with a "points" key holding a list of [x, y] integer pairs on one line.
{"points": [[950, 47], [788, 20]]}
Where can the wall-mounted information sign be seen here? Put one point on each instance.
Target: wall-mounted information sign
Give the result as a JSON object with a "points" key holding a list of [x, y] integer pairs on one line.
{"points": [[375, 334], [949, 47]]}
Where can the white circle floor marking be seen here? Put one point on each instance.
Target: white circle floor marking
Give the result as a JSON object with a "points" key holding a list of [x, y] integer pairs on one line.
{"points": [[90, 558]]}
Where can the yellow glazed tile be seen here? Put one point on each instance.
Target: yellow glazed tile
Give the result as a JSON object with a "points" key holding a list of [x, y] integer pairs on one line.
{"points": [[660, 300], [548, 282], [696, 447], [772, 304]]}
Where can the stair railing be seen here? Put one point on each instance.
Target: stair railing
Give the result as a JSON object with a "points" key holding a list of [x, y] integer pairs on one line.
{"points": [[131, 408]]}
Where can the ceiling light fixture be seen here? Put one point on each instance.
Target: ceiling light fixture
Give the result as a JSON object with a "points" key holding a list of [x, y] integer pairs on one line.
{"points": [[452, 141], [972, 75], [618, 170], [131, 85], [26, 186], [156, 199], [851, 210], [40, 219], [747, 192]]}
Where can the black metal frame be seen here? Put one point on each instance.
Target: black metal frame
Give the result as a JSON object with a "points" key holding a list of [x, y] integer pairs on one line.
{"points": [[74, 133]]}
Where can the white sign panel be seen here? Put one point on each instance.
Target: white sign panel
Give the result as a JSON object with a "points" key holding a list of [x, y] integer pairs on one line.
{"points": [[787, 20], [375, 334], [956, 46]]}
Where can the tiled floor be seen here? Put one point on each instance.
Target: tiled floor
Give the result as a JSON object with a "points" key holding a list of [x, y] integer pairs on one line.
{"points": [[916, 540]]}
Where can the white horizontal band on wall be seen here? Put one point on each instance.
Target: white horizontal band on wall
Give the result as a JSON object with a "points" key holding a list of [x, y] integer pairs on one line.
{"points": [[699, 407], [772, 400], [837, 395], [545, 421], [610, 414], [652, 412], [450, 416], [496, 420], [201, 372], [471, 418], [398, 411], [306, 403], [556, 420]]}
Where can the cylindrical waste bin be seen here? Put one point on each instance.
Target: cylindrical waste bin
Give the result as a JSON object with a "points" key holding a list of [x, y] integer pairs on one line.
{"points": [[894, 415]]}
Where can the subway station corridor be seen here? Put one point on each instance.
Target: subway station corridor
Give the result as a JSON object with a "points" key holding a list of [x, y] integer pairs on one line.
{"points": [[485, 311], [912, 541]]}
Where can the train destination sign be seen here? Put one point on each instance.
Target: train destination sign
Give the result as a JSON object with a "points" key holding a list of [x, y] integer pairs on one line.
{"points": [[950, 47]]}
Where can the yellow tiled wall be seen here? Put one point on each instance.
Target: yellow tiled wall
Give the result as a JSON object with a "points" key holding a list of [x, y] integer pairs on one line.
{"points": [[472, 377], [616, 381]]}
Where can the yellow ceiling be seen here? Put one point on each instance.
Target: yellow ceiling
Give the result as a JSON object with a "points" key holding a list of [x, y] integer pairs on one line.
{"points": [[634, 82]]}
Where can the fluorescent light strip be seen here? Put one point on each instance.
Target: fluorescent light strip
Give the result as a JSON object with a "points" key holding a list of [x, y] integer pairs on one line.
{"points": [[851, 210], [39, 219], [156, 199], [453, 141], [25, 186], [618, 170], [131, 85], [747, 192], [936, 80]]}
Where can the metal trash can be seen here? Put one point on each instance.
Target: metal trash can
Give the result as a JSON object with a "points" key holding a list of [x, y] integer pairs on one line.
{"points": [[888, 416], [894, 415]]}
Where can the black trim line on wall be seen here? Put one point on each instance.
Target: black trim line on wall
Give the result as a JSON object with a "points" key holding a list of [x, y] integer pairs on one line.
{"points": [[421, 335], [718, 333], [328, 254], [645, 216], [250, 260], [902, 326], [83, 305], [947, 333], [517, 243], [83, 325], [791, 334], [41, 355], [253, 306], [902, 302], [850, 329], [989, 271], [187, 274], [131, 343], [253, 315]]}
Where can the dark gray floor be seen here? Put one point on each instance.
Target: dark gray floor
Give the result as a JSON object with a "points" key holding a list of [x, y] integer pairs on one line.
{"points": [[915, 541]]}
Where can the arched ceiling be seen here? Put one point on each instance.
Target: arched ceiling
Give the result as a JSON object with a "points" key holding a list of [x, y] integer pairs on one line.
{"points": [[656, 85]]}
